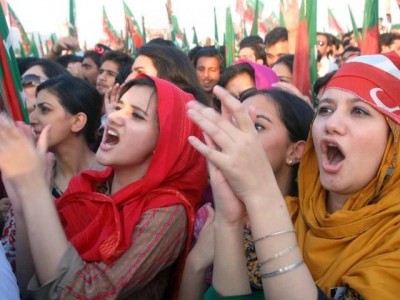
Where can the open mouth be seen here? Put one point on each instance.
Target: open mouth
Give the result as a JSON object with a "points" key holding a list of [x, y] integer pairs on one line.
{"points": [[334, 154], [111, 137]]}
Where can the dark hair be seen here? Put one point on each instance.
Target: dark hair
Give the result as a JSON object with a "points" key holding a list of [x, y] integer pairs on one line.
{"points": [[287, 60], [161, 41], [322, 81], [278, 34], [294, 113], [387, 39], [209, 51], [192, 52], [233, 71], [50, 68], [24, 62], [174, 65], [259, 51], [141, 81], [93, 55], [123, 74], [64, 60], [77, 95], [250, 40], [118, 57]]}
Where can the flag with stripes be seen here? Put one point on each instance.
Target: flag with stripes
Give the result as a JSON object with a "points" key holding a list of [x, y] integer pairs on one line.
{"points": [[10, 82], [305, 65], [16, 23]]}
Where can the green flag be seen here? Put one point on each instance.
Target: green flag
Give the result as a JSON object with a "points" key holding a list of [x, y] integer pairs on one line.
{"points": [[108, 29], [11, 100], [370, 41], [281, 19], [305, 65], [173, 22], [143, 30], [354, 25], [132, 27], [195, 39], [34, 51], [215, 27], [229, 38], [254, 26], [185, 43], [16, 23], [72, 22]]}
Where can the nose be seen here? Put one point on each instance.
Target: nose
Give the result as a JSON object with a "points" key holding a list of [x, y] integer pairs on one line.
{"points": [[132, 75], [116, 118], [33, 115], [336, 123]]}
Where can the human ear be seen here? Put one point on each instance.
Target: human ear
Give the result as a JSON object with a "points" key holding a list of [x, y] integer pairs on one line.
{"points": [[295, 152], [79, 122]]}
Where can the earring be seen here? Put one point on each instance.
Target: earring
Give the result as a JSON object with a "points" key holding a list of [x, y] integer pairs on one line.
{"points": [[290, 162]]}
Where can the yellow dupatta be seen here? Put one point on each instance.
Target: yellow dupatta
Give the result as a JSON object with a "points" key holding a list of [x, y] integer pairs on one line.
{"points": [[359, 244]]}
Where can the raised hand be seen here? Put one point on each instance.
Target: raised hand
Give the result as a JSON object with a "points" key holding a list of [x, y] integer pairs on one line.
{"points": [[18, 155], [111, 97], [238, 154], [290, 13]]}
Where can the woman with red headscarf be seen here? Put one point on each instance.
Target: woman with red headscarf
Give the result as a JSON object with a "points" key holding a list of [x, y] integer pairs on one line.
{"points": [[340, 238], [122, 232]]}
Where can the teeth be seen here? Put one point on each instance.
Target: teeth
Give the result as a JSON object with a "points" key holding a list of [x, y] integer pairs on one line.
{"points": [[112, 132]]}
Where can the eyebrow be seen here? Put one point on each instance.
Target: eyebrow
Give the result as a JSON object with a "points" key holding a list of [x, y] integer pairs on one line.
{"points": [[138, 108], [134, 107], [264, 117], [330, 100]]}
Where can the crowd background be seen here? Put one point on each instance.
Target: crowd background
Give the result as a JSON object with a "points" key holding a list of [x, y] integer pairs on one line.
{"points": [[279, 67]]}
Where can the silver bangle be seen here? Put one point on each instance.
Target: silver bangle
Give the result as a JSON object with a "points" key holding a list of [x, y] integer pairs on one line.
{"points": [[279, 254], [283, 270], [273, 234]]}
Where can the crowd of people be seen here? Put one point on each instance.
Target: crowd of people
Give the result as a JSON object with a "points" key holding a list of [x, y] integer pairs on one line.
{"points": [[170, 175]]}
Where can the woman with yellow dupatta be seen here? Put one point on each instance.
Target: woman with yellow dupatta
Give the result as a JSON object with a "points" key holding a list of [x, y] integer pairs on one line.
{"points": [[340, 239]]}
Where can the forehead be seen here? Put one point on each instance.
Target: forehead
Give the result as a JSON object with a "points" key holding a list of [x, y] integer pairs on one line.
{"points": [[88, 61], [280, 68], [208, 61], [239, 83], [143, 97], [36, 70], [322, 37], [263, 104], [246, 51], [109, 65], [279, 47], [143, 61], [48, 97]]}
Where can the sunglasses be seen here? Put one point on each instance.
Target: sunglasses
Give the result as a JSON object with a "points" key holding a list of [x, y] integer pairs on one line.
{"points": [[320, 43], [31, 80]]}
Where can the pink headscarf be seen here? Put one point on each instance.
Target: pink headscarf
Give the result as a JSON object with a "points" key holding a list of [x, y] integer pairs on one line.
{"points": [[263, 75]]}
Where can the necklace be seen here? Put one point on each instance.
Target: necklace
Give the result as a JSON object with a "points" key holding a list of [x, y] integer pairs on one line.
{"points": [[54, 189]]}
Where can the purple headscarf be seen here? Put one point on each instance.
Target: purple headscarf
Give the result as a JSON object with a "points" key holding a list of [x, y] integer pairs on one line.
{"points": [[263, 75]]}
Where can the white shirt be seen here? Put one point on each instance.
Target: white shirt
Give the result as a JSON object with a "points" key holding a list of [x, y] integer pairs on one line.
{"points": [[8, 284]]}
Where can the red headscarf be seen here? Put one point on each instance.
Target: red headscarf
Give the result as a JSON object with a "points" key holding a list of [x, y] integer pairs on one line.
{"points": [[374, 79], [99, 226]]}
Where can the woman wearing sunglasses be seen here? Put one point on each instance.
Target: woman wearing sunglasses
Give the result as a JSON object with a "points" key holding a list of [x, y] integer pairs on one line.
{"points": [[37, 72]]}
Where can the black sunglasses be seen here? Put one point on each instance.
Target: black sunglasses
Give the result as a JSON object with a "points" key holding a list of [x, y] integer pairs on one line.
{"points": [[31, 80]]}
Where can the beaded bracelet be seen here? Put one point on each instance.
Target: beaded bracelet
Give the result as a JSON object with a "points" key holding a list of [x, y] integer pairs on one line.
{"points": [[283, 270], [279, 254], [273, 234]]}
